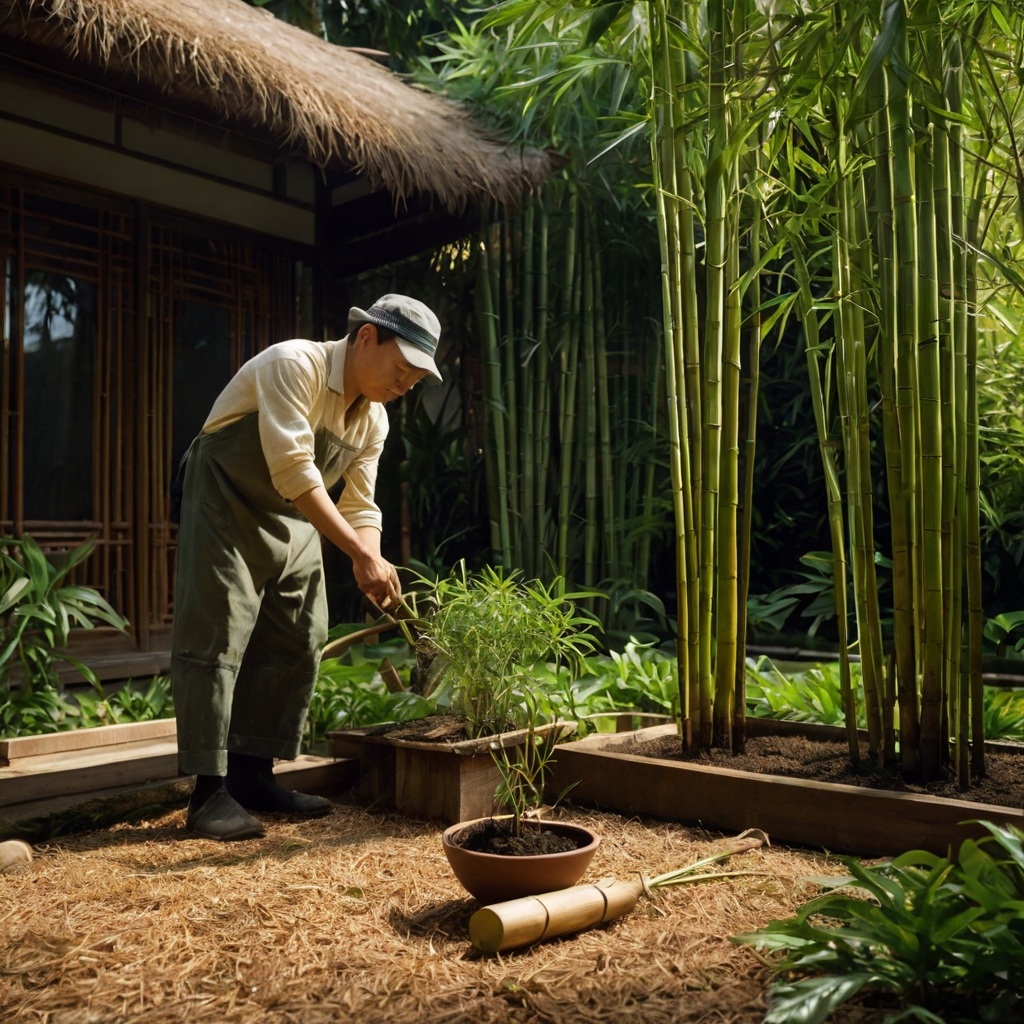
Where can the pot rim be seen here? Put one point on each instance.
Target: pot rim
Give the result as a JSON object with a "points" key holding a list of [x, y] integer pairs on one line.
{"points": [[595, 841]]}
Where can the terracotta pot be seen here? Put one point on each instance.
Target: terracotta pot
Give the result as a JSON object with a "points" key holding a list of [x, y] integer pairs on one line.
{"points": [[495, 878]]}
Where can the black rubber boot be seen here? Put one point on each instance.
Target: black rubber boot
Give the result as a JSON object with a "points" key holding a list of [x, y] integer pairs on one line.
{"points": [[213, 813], [251, 782]]}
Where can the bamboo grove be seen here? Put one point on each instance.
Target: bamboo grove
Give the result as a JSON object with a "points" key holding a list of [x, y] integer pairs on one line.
{"points": [[838, 176], [568, 351]]}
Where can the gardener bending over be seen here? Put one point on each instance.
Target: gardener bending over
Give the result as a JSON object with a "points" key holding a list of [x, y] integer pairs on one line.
{"points": [[250, 614]]}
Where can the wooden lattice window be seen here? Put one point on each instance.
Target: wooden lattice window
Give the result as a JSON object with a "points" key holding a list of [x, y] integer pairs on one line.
{"points": [[67, 312], [100, 395]]}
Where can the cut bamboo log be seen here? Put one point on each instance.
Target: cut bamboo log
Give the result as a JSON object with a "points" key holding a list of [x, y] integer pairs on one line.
{"points": [[14, 855], [535, 918]]}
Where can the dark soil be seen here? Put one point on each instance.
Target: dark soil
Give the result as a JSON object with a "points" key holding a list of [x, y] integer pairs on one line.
{"points": [[493, 836], [825, 761], [433, 729]]}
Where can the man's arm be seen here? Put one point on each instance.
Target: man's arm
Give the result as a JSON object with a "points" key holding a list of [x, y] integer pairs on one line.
{"points": [[375, 576]]}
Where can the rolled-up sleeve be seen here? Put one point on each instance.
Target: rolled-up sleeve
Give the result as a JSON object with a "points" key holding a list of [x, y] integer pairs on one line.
{"points": [[356, 504], [285, 393]]}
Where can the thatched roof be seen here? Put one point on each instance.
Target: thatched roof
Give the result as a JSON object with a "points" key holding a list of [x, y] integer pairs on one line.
{"points": [[326, 101]]}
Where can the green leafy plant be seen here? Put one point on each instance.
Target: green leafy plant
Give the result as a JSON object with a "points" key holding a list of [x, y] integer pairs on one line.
{"points": [[127, 704], [489, 628], [946, 938], [1003, 714], [37, 612], [810, 696], [1006, 632]]}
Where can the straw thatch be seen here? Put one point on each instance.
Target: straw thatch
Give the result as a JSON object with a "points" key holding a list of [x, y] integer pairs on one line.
{"points": [[357, 917], [326, 101]]}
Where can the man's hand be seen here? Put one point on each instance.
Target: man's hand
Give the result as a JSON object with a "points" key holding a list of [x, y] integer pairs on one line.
{"points": [[375, 576], [378, 580]]}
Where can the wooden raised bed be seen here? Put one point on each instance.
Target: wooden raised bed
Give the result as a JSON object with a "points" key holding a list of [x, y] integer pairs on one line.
{"points": [[43, 775], [451, 782], [839, 818]]}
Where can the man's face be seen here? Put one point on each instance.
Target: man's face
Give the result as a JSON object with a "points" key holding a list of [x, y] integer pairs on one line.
{"points": [[382, 372]]}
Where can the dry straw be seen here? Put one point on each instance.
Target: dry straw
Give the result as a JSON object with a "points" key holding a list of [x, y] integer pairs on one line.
{"points": [[325, 100], [357, 917]]}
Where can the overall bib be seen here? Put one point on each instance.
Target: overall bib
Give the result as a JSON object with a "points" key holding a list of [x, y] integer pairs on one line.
{"points": [[250, 610]]}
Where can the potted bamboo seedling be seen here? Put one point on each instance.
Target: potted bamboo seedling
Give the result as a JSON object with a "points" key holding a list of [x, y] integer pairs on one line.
{"points": [[475, 644], [520, 854]]}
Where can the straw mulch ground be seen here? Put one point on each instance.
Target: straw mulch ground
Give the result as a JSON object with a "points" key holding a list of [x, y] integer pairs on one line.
{"points": [[356, 917]]}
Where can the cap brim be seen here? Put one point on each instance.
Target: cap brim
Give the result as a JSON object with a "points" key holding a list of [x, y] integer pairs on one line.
{"points": [[356, 318], [417, 357]]}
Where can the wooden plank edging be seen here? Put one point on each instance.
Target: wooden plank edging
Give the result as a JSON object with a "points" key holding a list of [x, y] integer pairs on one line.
{"points": [[837, 817], [83, 739]]}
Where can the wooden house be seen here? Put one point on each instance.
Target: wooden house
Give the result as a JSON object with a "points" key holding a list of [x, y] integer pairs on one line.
{"points": [[181, 182]]}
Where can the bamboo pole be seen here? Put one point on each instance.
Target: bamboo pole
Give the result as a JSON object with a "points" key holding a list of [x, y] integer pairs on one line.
{"points": [[493, 412], [902, 573], [567, 389], [905, 217], [809, 318], [930, 419], [588, 413], [716, 255], [727, 612], [972, 482], [663, 153], [528, 448], [958, 677], [604, 409], [509, 390], [542, 425], [739, 722]]}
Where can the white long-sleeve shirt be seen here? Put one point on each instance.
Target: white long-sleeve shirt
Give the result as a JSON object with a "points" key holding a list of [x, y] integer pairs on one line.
{"points": [[297, 387]]}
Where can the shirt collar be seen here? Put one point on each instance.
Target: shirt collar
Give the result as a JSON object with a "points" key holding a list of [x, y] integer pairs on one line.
{"points": [[336, 371], [336, 378]]}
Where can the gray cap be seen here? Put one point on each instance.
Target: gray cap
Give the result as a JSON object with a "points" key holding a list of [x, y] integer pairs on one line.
{"points": [[415, 324]]}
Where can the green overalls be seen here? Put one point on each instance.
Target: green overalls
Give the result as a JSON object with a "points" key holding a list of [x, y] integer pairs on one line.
{"points": [[250, 611]]}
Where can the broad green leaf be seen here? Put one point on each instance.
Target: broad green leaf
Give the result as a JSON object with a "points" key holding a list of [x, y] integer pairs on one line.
{"points": [[811, 1000]]}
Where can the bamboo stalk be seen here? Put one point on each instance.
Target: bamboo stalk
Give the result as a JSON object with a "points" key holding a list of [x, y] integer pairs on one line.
{"points": [[542, 426], [958, 677], [728, 503], [509, 389], [809, 318], [905, 217], [930, 419], [902, 573], [493, 411], [739, 721], [663, 152], [588, 412], [716, 255], [604, 414], [972, 485], [528, 448], [567, 390]]}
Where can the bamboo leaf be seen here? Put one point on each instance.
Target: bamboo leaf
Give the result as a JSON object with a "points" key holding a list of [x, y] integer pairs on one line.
{"points": [[601, 20], [892, 25], [619, 139]]}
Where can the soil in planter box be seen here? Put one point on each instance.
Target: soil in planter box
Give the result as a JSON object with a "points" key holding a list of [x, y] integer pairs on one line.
{"points": [[492, 836], [825, 761], [434, 729]]}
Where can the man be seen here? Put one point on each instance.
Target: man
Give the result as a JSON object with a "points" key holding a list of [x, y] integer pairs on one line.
{"points": [[250, 614]]}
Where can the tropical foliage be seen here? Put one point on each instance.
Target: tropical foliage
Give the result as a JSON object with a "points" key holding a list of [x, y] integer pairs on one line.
{"points": [[945, 938], [38, 609]]}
